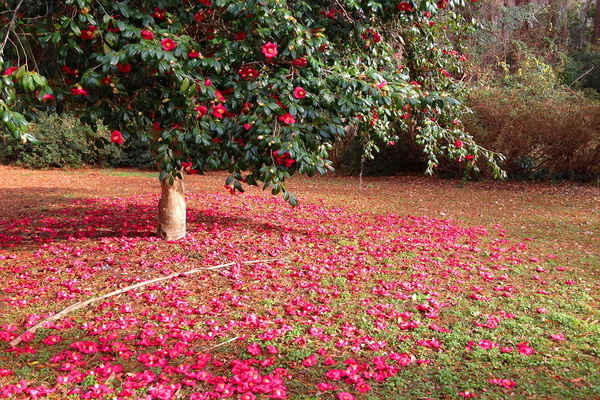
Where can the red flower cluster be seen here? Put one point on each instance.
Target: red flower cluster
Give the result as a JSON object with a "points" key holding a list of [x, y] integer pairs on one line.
{"points": [[283, 158]]}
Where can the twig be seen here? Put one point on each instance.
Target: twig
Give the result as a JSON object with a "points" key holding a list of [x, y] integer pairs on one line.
{"points": [[582, 75], [222, 344], [83, 304]]}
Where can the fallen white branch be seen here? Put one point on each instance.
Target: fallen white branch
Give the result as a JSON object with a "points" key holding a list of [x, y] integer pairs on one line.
{"points": [[83, 304]]}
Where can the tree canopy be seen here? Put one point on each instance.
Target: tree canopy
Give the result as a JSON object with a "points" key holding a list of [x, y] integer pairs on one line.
{"points": [[260, 88]]}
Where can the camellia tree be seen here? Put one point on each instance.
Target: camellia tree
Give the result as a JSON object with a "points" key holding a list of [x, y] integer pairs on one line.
{"points": [[261, 87]]}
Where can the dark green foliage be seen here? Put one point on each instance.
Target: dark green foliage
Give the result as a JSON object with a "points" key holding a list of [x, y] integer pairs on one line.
{"points": [[136, 154], [62, 142], [582, 70], [396, 157]]}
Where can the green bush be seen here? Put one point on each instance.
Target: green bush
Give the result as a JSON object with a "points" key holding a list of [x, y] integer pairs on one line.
{"points": [[62, 142], [545, 130], [136, 154]]}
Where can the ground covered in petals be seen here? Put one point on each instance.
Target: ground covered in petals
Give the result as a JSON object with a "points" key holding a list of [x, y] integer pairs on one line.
{"points": [[402, 288]]}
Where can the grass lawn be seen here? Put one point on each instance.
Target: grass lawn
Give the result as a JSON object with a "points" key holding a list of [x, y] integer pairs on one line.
{"points": [[401, 288]]}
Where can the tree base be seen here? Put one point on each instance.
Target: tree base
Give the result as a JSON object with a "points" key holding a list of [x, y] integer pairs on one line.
{"points": [[171, 210]]}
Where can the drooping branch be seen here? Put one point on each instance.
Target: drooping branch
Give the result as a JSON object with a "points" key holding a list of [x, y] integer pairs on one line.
{"points": [[16, 341]]}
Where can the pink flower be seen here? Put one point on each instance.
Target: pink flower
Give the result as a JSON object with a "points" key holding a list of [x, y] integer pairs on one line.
{"points": [[325, 386], [506, 383], [345, 396], [116, 137], [309, 361], [5, 372], [48, 97], [286, 118], [335, 374], [168, 44], [254, 349], [52, 340], [362, 387], [299, 92], [458, 144], [467, 394], [269, 50], [525, 349], [146, 34], [558, 337]]}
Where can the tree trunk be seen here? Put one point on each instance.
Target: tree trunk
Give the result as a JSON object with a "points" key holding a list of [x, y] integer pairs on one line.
{"points": [[596, 32], [171, 210]]}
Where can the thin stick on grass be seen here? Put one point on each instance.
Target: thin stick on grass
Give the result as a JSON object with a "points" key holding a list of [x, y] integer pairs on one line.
{"points": [[85, 303]]}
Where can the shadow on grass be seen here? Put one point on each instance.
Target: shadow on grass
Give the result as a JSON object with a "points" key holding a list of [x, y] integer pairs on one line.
{"points": [[42, 216]]}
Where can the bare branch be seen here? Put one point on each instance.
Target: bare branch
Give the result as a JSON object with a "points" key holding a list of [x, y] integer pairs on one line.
{"points": [[85, 303]]}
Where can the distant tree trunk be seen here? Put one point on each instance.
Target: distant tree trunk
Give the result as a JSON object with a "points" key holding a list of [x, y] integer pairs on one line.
{"points": [[596, 32], [171, 210]]}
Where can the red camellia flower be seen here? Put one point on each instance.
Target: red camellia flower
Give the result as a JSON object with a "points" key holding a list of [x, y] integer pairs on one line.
{"points": [[284, 159], [345, 396], [239, 36], [286, 118], [107, 80], [48, 97], [248, 73], [458, 144], [218, 111], [124, 67], [79, 91], [194, 54], [201, 111], [159, 14], [187, 167], [168, 44], [116, 137], [146, 34], [269, 50], [442, 4], [300, 62], [87, 34], [205, 2], [9, 71], [404, 6], [299, 92]]}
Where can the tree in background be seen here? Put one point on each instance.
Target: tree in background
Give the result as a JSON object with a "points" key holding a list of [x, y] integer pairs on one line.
{"points": [[261, 88]]}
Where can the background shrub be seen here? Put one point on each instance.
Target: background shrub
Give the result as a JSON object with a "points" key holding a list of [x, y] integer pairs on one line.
{"points": [[136, 154], [63, 142], [545, 130]]}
